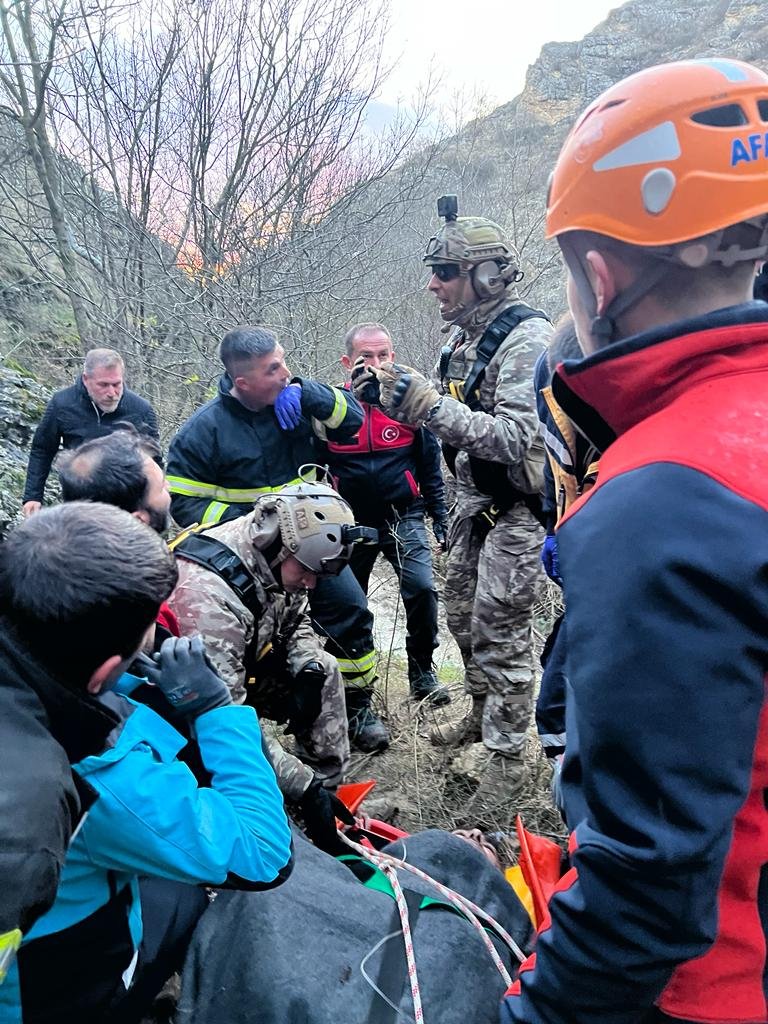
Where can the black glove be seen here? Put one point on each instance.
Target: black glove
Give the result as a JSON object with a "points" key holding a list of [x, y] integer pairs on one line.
{"points": [[440, 530], [320, 808], [182, 672], [306, 697], [365, 383]]}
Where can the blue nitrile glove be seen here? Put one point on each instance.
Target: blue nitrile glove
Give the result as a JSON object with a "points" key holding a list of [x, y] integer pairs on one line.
{"points": [[288, 407], [550, 560], [181, 670]]}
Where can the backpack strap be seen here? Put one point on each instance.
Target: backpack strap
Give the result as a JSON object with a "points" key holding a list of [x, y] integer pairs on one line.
{"points": [[493, 336], [210, 553], [485, 474]]}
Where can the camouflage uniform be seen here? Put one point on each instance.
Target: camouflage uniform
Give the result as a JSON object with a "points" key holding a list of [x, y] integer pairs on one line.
{"points": [[492, 580], [205, 604]]}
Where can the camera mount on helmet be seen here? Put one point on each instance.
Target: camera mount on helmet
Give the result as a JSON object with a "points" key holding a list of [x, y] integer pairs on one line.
{"points": [[448, 208]]}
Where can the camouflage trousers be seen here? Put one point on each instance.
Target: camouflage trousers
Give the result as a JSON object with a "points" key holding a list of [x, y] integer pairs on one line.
{"points": [[323, 747], [492, 583]]}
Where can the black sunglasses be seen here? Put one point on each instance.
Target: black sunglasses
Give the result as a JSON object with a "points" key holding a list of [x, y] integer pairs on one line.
{"points": [[445, 271]]}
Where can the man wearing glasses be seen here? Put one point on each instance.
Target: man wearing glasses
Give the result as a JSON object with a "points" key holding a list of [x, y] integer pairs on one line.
{"points": [[485, 415]]}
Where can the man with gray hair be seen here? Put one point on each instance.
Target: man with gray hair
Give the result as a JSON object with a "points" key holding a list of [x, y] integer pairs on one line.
{"points": [[92, 407]]}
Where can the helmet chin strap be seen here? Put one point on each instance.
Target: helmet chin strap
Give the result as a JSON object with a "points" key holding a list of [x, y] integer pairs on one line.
{"points": [[603, 325]]}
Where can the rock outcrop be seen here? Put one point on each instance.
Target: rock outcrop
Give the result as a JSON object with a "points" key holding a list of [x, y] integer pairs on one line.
{"points": [[22, 401]]}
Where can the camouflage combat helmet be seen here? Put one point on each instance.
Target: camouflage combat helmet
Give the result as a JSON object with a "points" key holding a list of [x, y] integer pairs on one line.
{"points": [[468, 241], [316, 525]]}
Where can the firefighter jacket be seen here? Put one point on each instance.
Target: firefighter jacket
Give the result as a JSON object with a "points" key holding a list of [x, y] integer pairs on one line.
{"points": [[225, 455], [666, 766]]}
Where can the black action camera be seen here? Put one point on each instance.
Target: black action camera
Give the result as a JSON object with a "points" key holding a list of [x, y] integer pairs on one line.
{"points": [[448, 208]]}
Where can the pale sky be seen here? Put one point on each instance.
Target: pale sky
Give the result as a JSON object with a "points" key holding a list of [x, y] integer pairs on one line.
{"points": [[478, 45]]}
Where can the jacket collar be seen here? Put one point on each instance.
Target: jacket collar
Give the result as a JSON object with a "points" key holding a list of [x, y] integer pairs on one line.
{"points": [[612, 390], [75, 720]]}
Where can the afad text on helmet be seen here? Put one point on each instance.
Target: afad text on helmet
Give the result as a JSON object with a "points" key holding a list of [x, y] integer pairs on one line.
{"points": [[753, 147]]}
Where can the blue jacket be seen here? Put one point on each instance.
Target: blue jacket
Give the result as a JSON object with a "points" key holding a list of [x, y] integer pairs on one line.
{"points": [[151, 818], [666, 767]]}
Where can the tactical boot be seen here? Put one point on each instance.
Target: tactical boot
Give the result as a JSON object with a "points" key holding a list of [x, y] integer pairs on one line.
{"points": [[467, 730], [502, 779], [367, 732], [424, 684]]}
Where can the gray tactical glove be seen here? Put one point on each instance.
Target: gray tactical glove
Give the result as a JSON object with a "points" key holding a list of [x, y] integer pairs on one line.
{"points": [[184, 675]]}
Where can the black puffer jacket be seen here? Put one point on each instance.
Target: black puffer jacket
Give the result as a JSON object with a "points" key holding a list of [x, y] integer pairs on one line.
{"points": [[43, 728], [71, 418]]}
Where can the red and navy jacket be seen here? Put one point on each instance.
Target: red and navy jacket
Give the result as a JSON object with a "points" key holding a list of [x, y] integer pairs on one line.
{"points": [[388, 466], [665, 564]]}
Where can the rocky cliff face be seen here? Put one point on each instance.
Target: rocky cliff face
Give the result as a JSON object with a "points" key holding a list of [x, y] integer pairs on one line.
{"points": [[22, 401], [567, 76], [503, 161]]}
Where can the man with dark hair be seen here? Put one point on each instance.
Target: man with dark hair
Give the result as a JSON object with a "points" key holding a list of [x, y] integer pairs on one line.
{"points": [[661, 215], [252, 438], [75, 602], [390, 474], [84, 582], [236, 633], [95, 405], [120, 469], [484, 414]]}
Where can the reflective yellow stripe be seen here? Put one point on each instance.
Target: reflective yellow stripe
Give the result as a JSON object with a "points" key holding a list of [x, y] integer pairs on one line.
{"points": [[339, 410], [232, 495], [214, 512], [9, 943], [351, 664], [361, 679], [359, 671]]}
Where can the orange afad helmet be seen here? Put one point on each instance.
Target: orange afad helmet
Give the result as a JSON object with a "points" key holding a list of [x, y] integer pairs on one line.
{"points": [[670, 154]]}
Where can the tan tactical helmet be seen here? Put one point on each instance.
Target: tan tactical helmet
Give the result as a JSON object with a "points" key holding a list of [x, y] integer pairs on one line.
{"points": [[316, 525], [469, 241]]}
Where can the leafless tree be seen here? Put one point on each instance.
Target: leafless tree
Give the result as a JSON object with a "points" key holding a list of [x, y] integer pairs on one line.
{"points": [[31, 34], [213, 163]]}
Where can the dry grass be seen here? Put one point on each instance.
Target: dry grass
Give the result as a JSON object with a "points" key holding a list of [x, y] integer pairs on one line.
{"points": [[414, 774]]}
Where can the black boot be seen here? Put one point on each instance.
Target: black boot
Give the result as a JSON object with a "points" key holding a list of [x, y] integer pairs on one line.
{"points": [[423, 683], [367, 732]]}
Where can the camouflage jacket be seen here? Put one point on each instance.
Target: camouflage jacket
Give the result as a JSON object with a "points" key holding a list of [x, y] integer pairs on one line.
{"points": [[205, 604], [506, 427]]}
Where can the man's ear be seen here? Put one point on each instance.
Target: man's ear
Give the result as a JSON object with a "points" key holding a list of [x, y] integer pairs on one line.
{"points": [[142, 515], [602, 277], [105, 674], [346, 362]]}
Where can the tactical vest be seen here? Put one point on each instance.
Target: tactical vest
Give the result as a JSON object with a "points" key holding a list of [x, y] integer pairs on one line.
{"points": [[491, 477]]}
